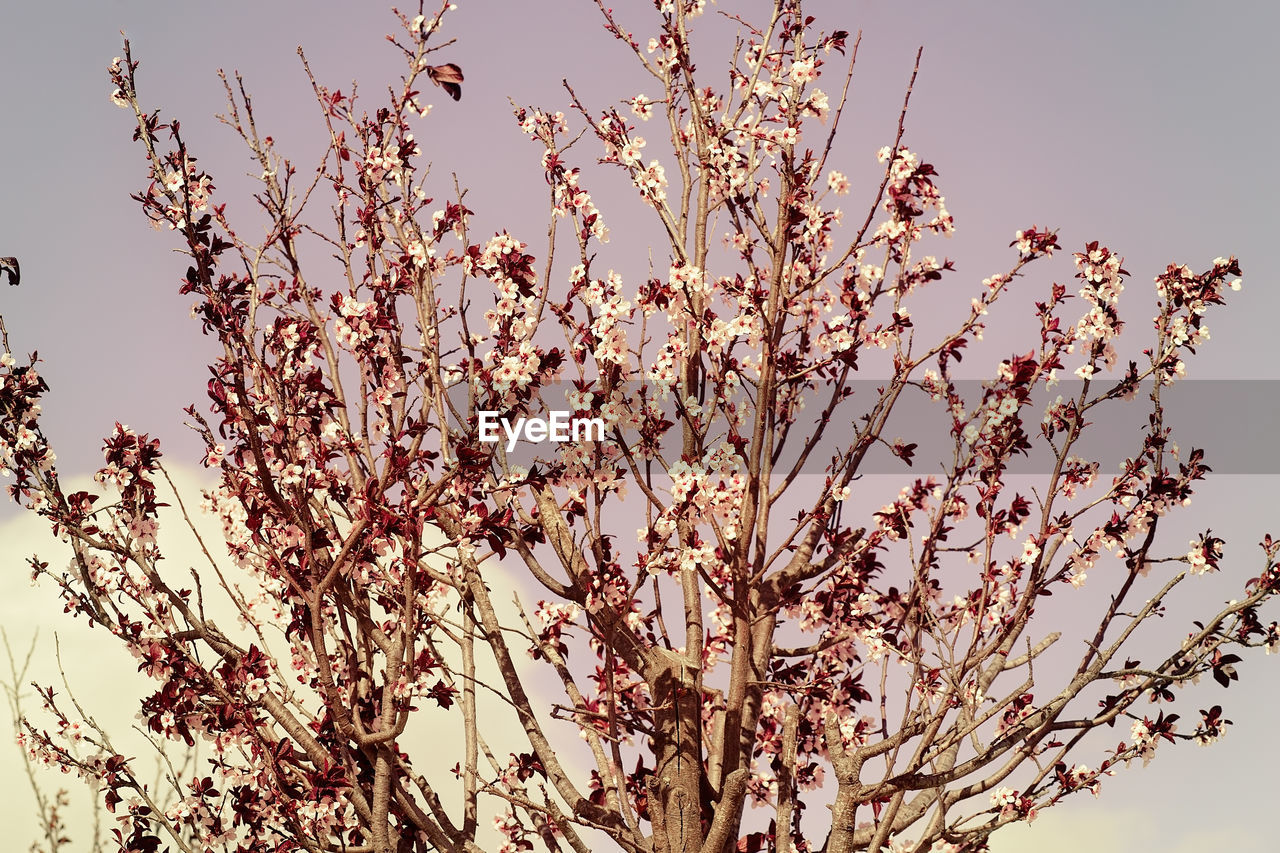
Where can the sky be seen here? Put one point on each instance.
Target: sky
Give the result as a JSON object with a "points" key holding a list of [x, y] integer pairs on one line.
{"points": [[1142, 124]]}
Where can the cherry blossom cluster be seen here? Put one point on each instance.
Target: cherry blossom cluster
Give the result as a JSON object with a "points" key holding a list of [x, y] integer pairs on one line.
{"points": [[755, 650]]}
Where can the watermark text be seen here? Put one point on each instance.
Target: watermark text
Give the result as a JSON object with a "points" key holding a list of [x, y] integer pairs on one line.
{"points": [[558, 426]]}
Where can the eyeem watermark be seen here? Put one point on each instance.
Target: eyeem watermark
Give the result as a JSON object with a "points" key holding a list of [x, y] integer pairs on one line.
{"points": [[559, 426]]}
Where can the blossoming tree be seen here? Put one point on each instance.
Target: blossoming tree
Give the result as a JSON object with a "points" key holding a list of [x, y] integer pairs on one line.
{"points": [[759, 671]]}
